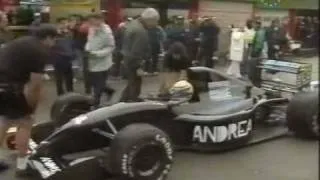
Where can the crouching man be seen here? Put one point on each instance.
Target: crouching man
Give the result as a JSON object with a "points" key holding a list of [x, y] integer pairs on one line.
{"points": [[21, 74], [176, 64]]}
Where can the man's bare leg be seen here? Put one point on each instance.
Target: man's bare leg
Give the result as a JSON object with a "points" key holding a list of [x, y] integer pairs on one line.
{"points": [[22, 142], [4, 126]]}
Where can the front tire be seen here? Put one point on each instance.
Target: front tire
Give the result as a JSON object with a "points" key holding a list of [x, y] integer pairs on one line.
{"points": [[69, 106], [141, 152]]}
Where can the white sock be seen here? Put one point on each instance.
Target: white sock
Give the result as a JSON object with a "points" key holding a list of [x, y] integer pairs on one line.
{"points": [[22, 163]]}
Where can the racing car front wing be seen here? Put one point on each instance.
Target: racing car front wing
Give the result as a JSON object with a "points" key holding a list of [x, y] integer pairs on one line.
{"points": [[80, 166]]}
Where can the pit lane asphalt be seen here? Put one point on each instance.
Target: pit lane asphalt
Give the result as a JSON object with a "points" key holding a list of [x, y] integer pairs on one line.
{"points": [[283, 159]]}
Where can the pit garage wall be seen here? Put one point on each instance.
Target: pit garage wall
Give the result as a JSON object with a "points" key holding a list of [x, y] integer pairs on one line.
{"points": [[226, 13], [131, 12], [66, 7], [267, 15]]}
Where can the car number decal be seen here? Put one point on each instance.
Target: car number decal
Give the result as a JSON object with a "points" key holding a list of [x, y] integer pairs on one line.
{"points": [[46, 167], [218, 134]]}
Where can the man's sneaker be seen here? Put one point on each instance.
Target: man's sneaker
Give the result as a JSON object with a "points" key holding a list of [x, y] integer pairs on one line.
{"points": [[22, 169], [110, 92], [46, 77], [21, 173], [3, 166]]}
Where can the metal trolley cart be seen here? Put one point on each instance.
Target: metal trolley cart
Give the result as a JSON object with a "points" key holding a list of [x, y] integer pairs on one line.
{"points": [[283, 76]]}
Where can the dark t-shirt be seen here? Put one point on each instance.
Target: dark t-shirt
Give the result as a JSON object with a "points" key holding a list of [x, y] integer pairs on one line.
{"points": [[175, 65], [20, 58], [209, 36]]}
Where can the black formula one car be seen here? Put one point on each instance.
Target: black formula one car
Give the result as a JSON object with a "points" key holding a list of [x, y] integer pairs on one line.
{"points": [[137, 140]]}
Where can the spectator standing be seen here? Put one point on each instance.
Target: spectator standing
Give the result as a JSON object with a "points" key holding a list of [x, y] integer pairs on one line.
{"points": [[10, 17], [209, 33], [237, 48], [81, 36], [311, 38], [258, 40], [156, 39], [176, 32], [35, 23], [249, 33], [63, 55], [258, 45], [297, 30], [135, 49], [193, 39], [117, 56], [5, 34], [100, 46], [276, 37], [79, 32], [78, 41]]}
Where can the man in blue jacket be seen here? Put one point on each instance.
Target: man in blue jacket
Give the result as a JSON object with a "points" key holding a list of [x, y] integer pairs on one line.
{"points": [[63, 54]]}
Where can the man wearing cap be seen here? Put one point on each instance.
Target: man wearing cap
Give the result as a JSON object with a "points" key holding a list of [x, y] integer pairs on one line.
{"points": [[136, 49]]}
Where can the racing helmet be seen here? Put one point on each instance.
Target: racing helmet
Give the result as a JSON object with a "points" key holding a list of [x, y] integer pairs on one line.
{"points": [[181, 89]]}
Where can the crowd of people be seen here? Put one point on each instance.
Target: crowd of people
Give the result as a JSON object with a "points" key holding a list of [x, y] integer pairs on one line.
{"points": [[307, 30], [129, 51]]}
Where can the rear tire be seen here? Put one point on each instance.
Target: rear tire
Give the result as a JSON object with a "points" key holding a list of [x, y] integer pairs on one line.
{"points": [[140, 152], [69, 106], [302, 115]]}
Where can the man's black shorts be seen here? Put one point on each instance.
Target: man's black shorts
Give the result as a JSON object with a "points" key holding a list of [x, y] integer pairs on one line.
{"points": [[13, 105]]}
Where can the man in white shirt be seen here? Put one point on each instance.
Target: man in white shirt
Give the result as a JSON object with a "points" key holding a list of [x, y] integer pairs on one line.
{"points": [[100, 46]]}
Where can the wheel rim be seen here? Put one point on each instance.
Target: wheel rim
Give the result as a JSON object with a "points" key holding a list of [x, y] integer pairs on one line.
{"points": [[148, 160]]}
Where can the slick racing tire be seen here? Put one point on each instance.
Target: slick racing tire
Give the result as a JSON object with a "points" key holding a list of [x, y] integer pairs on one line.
{"points": [[302, 115], [140, 152], [69, 106]]}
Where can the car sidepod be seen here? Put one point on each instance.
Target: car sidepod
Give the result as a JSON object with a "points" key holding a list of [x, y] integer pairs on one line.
{"points": [[215, 133], [223, 132]]}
